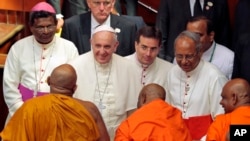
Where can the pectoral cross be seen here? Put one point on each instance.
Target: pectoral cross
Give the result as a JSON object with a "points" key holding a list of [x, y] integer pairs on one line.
{"points": [[101, 106]]}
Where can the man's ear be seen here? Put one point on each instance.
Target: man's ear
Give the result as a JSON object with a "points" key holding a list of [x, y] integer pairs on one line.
{"points": [[143, 99], [235, 99], [88, 3], [48, 80], [74, 88], [136, 45], [31, 29], [211, 36], [116, 45]]}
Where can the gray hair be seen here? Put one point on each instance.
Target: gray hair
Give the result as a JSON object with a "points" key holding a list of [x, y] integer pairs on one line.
{"points": [[194, 36]]}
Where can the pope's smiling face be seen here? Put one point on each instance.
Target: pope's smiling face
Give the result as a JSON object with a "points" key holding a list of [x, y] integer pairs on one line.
{"points": [[104, 44]]}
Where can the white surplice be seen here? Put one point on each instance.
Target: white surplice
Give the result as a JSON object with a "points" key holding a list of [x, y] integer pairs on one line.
{"points": [[30, 63]]}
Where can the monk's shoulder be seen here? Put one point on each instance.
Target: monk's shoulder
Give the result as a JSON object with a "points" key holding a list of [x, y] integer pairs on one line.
{"points": [[91, 107]]}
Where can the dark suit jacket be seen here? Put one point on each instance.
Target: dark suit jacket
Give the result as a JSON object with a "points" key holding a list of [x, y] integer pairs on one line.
{"points": [[138, 20], [78, 30], [173, 15], [242, 20], [69, 7], [242, 58]]}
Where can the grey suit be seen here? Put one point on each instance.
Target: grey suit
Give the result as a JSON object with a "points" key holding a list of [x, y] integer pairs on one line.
{"points": [[78, 30], [173, 15]]}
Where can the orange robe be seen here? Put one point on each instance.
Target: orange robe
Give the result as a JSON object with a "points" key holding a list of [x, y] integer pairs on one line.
{"points": [[156, 120], [51, 117], [219, 129]]}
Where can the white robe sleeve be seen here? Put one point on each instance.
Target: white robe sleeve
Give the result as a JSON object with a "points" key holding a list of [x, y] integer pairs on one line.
{"points": [[11, 81]]}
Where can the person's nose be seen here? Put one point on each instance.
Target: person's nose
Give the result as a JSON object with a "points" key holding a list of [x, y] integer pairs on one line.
{"points": [[102, 50], [102, 6], [45, 29], [183, 60], [220, 102], [148, 52]]}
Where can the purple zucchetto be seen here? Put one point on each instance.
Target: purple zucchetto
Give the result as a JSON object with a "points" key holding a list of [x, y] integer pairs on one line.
{"points": [[43, 6]]}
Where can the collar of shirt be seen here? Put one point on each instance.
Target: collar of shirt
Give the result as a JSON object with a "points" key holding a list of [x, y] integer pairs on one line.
{"points": [[94, 23], [45, 46], [195, 71], [191, 2], [207, 54], [139, 63]]}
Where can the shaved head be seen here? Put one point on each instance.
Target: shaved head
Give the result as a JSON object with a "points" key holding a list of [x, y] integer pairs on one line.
{"points": [[151, 92], [63, 80], [235, 93]]}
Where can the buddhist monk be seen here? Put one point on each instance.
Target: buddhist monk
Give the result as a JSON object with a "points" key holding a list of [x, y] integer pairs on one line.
{"points": [[63, 81], [57, 116], [236, 103], [154, 120]]}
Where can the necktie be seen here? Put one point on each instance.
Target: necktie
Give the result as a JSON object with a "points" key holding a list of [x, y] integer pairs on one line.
{"points": [[197, 8]]}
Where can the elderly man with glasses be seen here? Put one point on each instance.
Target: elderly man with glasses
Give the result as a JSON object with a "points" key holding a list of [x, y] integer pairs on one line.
{"points": [[79, 28], [194, 85]]}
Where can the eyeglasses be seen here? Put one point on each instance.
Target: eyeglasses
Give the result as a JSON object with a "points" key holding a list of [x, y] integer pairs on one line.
{"points": [[42, 28], [99, 3], [189, 57]]}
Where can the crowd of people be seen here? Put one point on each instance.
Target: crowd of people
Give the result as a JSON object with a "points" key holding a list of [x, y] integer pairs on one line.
{"points": [[106, 78]]}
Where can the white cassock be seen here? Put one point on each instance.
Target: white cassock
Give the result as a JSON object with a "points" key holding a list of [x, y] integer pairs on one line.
{"points": [[118, 87], [196, 94], [155, 73], [222, 57], [30, 63]]}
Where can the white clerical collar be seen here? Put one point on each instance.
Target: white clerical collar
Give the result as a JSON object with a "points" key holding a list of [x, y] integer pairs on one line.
{"points": [[139, 63], [94, 23], [45, 45], [207, 54]]}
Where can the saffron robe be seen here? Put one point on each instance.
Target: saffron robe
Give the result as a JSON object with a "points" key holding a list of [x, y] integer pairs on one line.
{"points": [[156, 120], [219, 129], [52, 117]]}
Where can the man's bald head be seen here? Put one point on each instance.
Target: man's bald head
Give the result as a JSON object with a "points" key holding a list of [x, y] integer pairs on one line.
{"points": [[235, 93], [151, 92], [63, 80]]}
